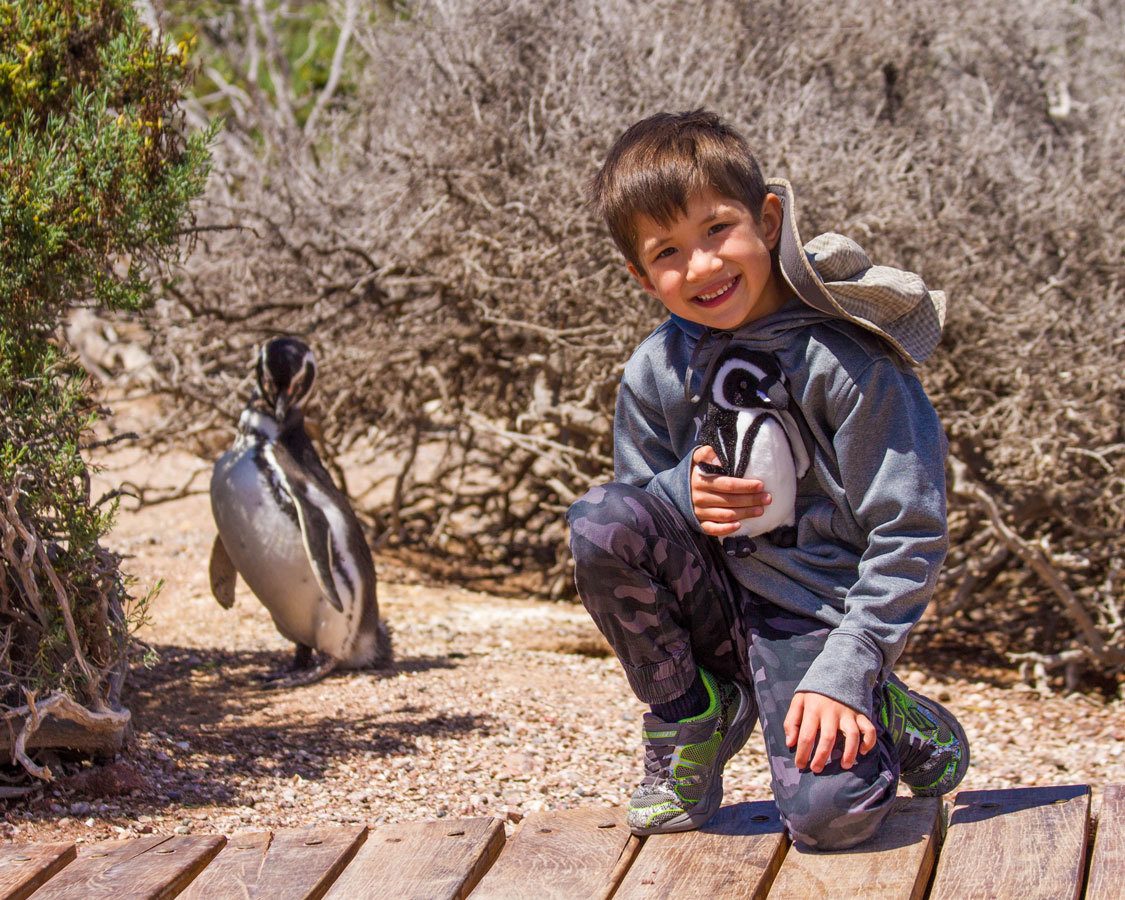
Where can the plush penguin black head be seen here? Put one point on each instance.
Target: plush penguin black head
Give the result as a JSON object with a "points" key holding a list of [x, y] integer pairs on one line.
{"points": [[749, 379], [286, 370]]}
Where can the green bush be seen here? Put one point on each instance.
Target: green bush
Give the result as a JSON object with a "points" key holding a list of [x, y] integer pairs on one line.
{"points": [[96, 177]]}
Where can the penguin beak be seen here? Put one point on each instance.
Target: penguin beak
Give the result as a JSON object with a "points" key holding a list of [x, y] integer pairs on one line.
{"points": [[281, 406], [778, 395]]}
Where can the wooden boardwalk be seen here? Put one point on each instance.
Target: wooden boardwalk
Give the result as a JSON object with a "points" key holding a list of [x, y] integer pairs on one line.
{"points": [[1021, 843]]}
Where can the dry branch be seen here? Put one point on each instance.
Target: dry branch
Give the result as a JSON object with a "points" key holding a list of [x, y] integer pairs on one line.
{"points": [[1093, 643]]}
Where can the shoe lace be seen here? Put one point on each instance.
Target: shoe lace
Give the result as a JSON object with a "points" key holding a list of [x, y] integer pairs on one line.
{"points": [[916, 752], [915, 746], [661, 739], [660, 744]]}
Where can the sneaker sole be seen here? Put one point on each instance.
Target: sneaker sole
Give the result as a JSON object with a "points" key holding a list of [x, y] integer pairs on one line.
{"points": [[958, 732], [733, 741]]}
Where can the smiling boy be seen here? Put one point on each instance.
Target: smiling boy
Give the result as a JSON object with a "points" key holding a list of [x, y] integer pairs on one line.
{"points": [[800, 638]]}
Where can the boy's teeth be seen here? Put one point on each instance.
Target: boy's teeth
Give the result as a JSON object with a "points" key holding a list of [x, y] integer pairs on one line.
{"points": [[715, 294]]}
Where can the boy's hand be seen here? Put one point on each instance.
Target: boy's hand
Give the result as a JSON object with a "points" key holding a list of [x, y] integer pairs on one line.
{"points": [[811, 714], [721, 502]]}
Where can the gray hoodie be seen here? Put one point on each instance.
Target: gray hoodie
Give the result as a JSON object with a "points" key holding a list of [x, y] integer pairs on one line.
{"points": [[871, 525]]}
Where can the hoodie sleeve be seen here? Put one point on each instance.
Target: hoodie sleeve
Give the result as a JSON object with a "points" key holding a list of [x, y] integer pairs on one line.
{"points": [[890, 449], [646, 453]]}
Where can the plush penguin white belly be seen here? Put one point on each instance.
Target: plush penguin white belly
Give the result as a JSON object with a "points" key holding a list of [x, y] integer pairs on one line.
{"points": [[750, 427], [770, 462], [267, 549]]}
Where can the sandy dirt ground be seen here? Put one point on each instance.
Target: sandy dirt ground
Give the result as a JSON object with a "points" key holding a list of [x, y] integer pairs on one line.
{"points": [[495, 706]]}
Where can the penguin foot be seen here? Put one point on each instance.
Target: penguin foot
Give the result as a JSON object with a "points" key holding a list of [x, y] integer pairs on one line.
{"points": [[739, 546], [783, 536], [303, 677], [304, 659]]}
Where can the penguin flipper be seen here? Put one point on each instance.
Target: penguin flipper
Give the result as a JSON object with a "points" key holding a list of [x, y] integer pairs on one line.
{"points": [[223, 574], [334, 542]]}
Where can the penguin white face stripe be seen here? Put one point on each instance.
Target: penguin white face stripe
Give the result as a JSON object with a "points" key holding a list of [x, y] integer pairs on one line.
{"points": [[264, 428], [730, 371]]}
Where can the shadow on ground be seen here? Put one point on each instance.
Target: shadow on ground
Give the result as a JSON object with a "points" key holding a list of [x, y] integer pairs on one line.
{"points": [[208, 732]]}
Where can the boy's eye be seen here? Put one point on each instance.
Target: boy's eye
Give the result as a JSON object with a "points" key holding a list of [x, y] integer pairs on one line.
{"points": [[665, 253], [717, 227]]}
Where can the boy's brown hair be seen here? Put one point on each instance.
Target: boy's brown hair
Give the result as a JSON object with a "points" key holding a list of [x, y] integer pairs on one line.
{"points": [[660, 162]]}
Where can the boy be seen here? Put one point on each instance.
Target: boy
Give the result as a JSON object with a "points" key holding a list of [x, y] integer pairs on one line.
{"points": [[801, 638]]}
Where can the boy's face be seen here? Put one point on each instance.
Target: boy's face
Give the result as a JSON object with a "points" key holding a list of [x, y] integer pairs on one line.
{"points": [[712, 265]]}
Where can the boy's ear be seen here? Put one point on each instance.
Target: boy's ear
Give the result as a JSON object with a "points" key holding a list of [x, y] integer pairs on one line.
{"points": [[771, 219], [642, 279]]}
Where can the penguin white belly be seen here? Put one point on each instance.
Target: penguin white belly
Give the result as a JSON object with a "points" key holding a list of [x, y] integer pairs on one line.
{"points": [[264, 543], [771, 462]]}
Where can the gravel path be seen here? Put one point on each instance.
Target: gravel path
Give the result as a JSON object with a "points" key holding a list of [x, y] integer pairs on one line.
{"points": [[496, 707]]}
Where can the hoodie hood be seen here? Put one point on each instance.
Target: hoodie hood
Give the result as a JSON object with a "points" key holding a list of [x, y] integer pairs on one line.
{"points": [[769, 333], [768, 329]]}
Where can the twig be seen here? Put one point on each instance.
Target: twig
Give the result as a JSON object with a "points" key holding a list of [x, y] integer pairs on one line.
{"points": [[109, 442], [351, 10]]}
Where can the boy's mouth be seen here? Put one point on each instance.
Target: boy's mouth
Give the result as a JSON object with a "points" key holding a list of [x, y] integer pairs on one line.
{"points": [[714, 298]]}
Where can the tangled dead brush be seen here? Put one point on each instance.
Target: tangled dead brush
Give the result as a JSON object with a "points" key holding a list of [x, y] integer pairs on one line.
{"points": [[418, 216]]}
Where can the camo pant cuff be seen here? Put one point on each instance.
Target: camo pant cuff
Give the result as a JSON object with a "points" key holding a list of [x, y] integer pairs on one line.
{"points": [[664, 680]]}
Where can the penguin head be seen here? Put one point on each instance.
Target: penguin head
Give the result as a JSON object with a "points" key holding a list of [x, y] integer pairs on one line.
{"points": [[748, 379], [286, 370]]}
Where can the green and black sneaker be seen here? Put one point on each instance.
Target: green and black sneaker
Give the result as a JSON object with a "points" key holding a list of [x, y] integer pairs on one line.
{"points": [[933, 750], [683, 783]]}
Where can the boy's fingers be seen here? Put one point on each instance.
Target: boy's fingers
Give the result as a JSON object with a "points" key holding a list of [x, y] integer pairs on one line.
{"points": [[705, 454], [793, 720], [728, 513], [705, 497], [829, 729], [806, 740], [851, 743], [727, 484], [718, 529], [868, 731]]}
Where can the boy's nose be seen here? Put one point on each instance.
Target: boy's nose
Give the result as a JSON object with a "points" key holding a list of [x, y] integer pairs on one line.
{"points": [[703, 264]]}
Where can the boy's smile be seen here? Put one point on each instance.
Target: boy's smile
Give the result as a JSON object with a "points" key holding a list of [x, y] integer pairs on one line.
{"points": [[712, 264]]}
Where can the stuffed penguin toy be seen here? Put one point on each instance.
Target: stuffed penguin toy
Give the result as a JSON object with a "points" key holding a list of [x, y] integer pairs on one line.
{"points": [[751, 429]]}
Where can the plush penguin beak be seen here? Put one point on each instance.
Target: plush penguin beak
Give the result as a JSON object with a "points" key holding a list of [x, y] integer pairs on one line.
{"points": [[777, 394]]}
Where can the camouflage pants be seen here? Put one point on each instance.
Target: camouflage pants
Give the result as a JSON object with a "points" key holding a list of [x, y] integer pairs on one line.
{"points": [[663, 597]]}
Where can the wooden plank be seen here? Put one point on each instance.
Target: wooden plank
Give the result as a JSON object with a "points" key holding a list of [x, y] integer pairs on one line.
{"points": [[235, 870], [423, 860], [567, 853], [736, 854], [144, 869], [1107, 866], [23, 869], [895, 863], [1022, 844], [294, 864]]}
